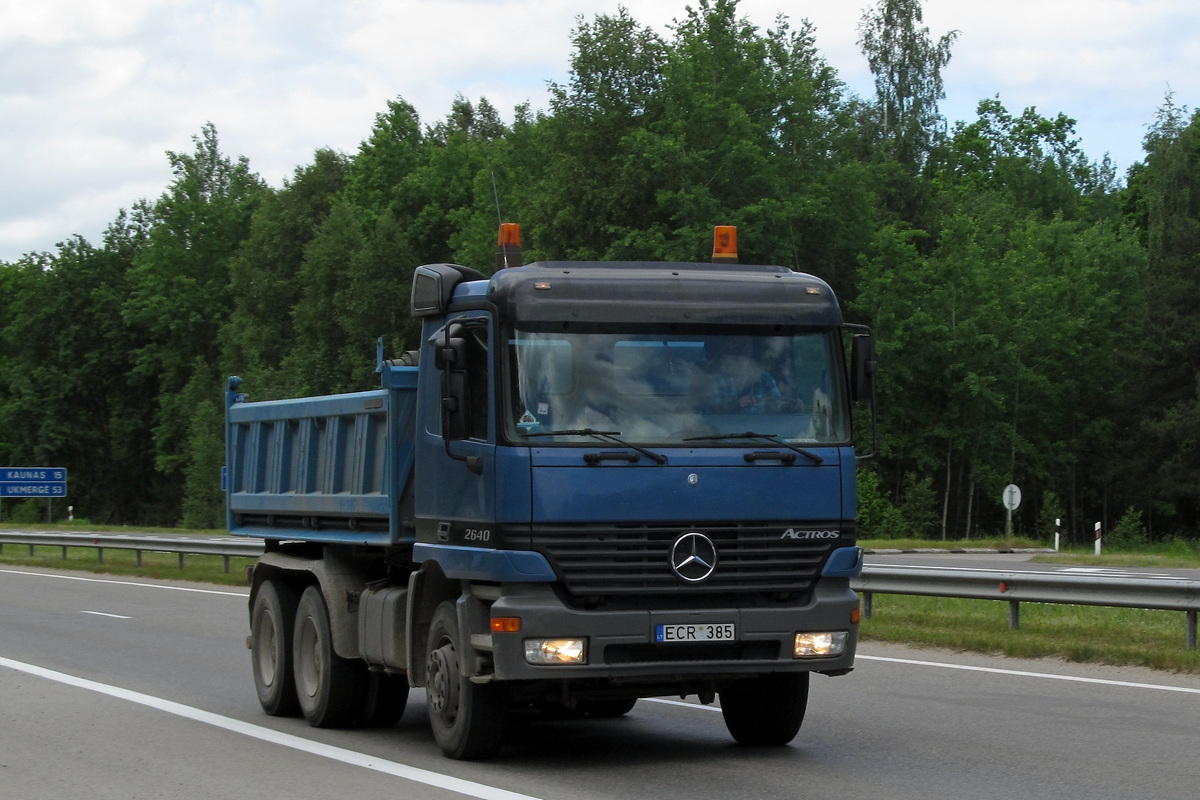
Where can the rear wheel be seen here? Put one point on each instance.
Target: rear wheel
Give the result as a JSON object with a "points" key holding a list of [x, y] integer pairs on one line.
{"points": [[467, 718], [330, 688], [271, 621], [767, 710]]}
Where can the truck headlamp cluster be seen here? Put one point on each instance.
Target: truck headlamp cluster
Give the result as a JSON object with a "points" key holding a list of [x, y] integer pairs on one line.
{"points": [[826, 644], [553, 652]]}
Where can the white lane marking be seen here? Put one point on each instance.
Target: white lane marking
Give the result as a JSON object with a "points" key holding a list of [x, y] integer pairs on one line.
{"points": [[1112, 572], [103, 614], [124, 583], [1103, 572], [667, 702], [351, 757], [1024, 674]]}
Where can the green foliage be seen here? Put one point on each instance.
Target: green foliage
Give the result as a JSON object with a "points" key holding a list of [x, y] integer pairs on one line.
{"points": [[1129, 533], [1164, 201], [919, 508], [907, 65], [1035, 321], [26, 512], [1051, 512], [878, 518], [203, 504]]}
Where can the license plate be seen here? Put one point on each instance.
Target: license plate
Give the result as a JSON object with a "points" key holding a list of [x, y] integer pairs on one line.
{"points": [[695, 632]]}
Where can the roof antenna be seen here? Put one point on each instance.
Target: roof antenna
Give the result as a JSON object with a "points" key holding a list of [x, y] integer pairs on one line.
{"points": [[496, 193], [508, 245], [502, 254]]}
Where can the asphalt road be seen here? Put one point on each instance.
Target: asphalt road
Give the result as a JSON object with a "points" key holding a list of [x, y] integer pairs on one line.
{"points": [[119, 688]]}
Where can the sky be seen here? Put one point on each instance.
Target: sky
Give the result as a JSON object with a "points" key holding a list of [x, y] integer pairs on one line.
{"points": [[93, 93]]}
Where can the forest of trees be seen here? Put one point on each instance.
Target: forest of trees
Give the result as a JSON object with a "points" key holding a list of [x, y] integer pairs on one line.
{"points": [[1037, 314]]}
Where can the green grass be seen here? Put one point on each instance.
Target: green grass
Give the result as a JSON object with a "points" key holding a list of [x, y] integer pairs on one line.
{"points": [[1088, 634], [992, 543], [82, 525], [200, 568]]}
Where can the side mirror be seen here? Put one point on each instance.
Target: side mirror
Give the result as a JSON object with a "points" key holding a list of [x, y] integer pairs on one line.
{"points": [[451, 359], [863, 366]]}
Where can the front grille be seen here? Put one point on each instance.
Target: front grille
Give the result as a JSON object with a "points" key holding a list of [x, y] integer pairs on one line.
{"points": [[606, 560]]}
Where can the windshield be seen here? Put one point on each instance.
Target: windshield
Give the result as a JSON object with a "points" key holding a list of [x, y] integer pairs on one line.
{"points": [[671, 388]]}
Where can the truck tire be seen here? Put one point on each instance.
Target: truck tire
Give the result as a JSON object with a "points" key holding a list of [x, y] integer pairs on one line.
{"points": [[271, 622], [385, 700], [331, 689], [767, 710], [467, 718]]}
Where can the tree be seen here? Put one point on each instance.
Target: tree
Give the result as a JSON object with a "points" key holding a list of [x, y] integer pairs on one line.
{"points": [[1034, 163], [179, 293], [265, 275], [593, 188], [907, 65], [1164, 200], [68, 395]]}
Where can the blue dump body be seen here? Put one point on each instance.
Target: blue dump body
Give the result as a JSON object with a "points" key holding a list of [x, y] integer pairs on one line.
{"points": [[322, 469]]}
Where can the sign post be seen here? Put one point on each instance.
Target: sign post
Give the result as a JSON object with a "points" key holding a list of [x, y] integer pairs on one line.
{"points": [[1012, 501], [27, 482]]}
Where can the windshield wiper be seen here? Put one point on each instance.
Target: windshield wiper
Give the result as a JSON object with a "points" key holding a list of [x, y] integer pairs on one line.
{"points": [[611, 436], [773, 438]]}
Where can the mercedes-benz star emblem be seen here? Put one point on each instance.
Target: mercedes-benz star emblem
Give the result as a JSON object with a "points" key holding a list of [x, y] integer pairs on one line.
{"points": [[693, 557]]}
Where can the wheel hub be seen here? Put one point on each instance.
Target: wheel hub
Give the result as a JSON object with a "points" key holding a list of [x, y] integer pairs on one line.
{"points": [[443, 676]]}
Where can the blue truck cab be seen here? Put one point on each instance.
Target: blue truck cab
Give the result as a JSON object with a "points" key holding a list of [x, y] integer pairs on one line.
{"points": [[594, 482]]}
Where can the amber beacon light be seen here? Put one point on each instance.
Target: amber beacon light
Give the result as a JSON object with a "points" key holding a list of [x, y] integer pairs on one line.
{"points": [[725, 245], [508, 250]]}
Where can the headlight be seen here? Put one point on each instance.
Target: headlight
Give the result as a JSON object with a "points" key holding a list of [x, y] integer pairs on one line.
{"points": [[556, 651], [820, 645]]}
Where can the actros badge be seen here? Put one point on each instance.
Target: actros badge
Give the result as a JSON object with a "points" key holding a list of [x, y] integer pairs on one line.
{"points": [[794, 533]]}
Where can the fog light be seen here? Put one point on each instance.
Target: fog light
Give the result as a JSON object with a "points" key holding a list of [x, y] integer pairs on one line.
{"points": [[820, 645], [556, 651]]}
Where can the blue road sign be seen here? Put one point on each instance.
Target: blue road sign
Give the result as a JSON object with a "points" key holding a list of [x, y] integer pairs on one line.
{"points": [[47, 482]]}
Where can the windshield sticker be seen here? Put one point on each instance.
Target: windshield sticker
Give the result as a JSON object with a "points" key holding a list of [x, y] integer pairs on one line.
{"points": [[528, 421]]}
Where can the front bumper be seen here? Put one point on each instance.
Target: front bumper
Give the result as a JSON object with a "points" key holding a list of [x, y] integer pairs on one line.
{"points": [[621, 645]]}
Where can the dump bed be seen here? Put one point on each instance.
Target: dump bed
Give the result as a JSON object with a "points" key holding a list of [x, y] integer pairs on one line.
{"points": [[324, 469]]}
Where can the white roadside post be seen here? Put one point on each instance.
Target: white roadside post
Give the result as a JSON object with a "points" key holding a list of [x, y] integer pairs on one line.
{"points": [[1057, 528], [1097, 538]]}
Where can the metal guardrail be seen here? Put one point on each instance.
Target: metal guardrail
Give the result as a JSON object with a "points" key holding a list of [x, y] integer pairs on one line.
{"points": [[1168, 594], [227, 548]]}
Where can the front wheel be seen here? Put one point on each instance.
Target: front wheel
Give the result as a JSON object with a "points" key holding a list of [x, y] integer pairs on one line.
{"points": [[330, 688], [767, 710], [467, 718]]}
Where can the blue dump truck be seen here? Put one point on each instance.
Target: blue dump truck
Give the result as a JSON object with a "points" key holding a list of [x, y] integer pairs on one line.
{"points": [[595, 482]]}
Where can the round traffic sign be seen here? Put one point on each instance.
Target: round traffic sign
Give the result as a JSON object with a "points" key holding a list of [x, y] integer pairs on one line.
{"points": [[1012, 497]]}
